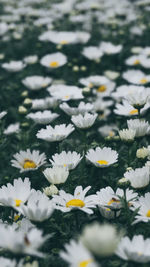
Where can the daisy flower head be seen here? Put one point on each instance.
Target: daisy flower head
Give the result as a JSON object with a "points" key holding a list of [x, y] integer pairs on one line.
{"points": [[54, 61], [136, 77], [58, 133], [36, 82], [74, 111], [56, 174], [102, 157], [143, 204], [109, 48], [65, 92], [127, 135], [76, 254], [139, 178], [141, 127], [126, 109], [65, 159], [28, 161], [44, 117], [12, 128], [92, 52], [84, 121], [14, 195], [66, 202], [136, 250], [138, 99], [14, 66], [62, 38]]}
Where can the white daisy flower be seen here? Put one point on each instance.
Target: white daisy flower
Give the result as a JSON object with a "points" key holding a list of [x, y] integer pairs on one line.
{"points": [[84, 121], [112, 75], [81, 109], [76, 254], [101, 240], [102, 157], [109, 48], [14, 195], [31, 59], [58, 133], [94, 81], [2, 114], [12, 128], [127, 134], [54, 61], [135, 60], [44, 117], [14, 66], [125, 109], [124, 91], [66, 159], [44, 103], [138, 99], [143, 204], [136, 77], [36, 82], [65, 92], [139, 178], [141, 127], [108, 130], [66, 202], [18, 242], [56, 174], [28, 161], [62, 38], [137, 249], [92, 52], [38, 208]]}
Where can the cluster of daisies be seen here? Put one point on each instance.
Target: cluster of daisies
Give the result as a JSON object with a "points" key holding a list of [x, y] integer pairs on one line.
{"points": [[74, 133]]}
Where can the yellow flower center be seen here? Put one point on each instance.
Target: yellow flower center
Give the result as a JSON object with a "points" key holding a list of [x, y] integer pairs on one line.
{"points": [[102, 89], [29, 164], [18, 202], [64, 42], [90, 85], [133, 111], [136, 62], [148, 213], [102, 162], [75, 203], [111, 134], [65, 165], [85, 263], [144, 80], [113, 200], [16, 217], [67, 96], [54, 64]]}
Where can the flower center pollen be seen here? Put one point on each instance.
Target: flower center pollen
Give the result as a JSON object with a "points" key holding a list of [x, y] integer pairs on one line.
{"points": [[113, 200], [148, 213], [75, 203], [136, 62], [144, 80], [133, 111], [18, 202], [85, 263], [102, 89], [54, 64], [63, 42], [29, 164], [102, 162]]}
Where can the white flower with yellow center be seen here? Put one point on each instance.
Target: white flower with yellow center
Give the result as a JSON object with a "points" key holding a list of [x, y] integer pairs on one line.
{"points": [[14, 195], [56, 174], [138, 99], [14, 66], [76, 254], [28, 161], [81, 109], [44, 117], [109, 48], [92, 52], [143, 214], [44, 103], [125, 109], [58, 133], [135, 60], [139, 178], [127, 134], [137, 249], [124, 91], [38, 208], [66, 159], [136, 77], [66, 202], [54, 61], [141, 127], [36, 82], [62, 38], [102, 157], [84, 121], [108, 130], [65, 92]]}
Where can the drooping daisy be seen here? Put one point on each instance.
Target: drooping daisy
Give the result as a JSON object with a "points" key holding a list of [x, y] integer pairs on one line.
{"points": [[28, 161], [66, 202], [54, 61], [14, 195], [14, 66], [84, 121], [139, 178], [143, 203], [38, 208], [76, 254], [56, 174], [81, 109], [66, 159], [141, 127], [124, 91], [138, 99], [36, 82], [137, 249], [136, 77], [102, 157], [58, 133], [44, 117]]}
